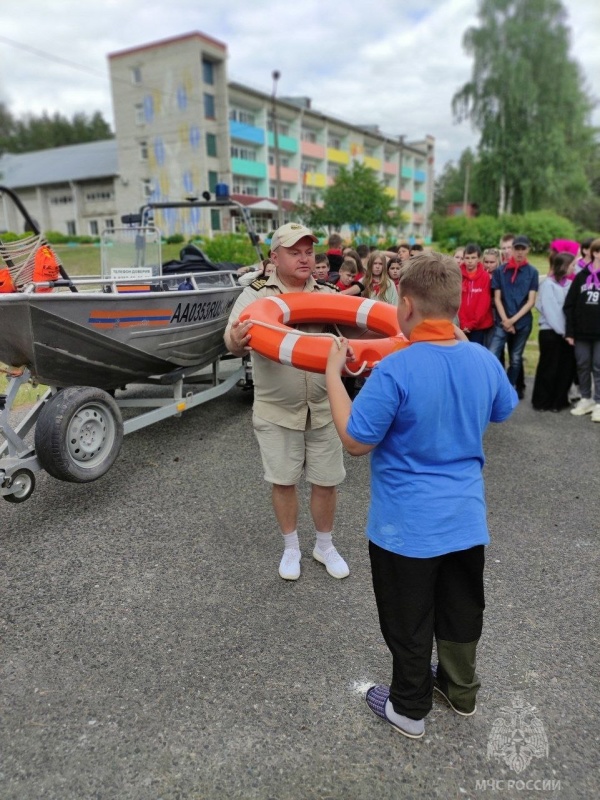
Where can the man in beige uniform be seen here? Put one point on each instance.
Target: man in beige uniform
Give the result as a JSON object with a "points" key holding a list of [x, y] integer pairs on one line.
{"points": [[292, 419]]}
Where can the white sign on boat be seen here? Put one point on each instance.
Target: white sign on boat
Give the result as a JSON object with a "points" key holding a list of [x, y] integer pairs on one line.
{"points": [[130, 273]]}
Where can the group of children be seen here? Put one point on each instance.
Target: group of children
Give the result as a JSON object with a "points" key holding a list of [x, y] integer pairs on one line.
{"points": [[499, 291], [377, 271]]}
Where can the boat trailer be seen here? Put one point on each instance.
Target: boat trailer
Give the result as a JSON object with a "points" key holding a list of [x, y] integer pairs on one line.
{"points": [[79, 430]]}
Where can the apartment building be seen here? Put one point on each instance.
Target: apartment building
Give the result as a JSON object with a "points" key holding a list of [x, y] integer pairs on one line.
{"points": [[181, 128]]}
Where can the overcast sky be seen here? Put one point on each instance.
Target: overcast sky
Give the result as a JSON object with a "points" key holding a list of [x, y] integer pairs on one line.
{"points": [[393, 63]]}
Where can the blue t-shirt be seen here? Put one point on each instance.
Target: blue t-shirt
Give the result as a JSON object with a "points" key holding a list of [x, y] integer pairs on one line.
{"points": [[514, 294], [426, 408]]}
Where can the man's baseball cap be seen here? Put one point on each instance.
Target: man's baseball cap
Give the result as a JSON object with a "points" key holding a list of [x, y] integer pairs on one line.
{"points": [[521, 241], [287, 235]]}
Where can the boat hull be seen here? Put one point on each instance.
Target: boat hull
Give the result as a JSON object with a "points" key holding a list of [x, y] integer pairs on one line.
{"points": [[110, 340]]}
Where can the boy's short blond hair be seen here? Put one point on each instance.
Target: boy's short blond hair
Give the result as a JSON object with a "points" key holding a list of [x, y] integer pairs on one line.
{"points": [[434, 282]]}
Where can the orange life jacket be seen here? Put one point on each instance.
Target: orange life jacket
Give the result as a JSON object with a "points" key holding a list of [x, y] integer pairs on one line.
{"points": [[6, 282], [45, 267]]}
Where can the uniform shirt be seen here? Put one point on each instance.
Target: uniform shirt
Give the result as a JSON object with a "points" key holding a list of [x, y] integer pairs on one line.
{"points": [[284, 395], [426, 409], [515, 294]]}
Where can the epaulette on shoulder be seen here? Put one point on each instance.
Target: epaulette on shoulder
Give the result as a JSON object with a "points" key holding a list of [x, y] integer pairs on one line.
{"points": [[330, 285], [258, 283]]}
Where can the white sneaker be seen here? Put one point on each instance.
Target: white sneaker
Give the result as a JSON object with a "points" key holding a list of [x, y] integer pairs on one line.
{"points": [[584, 406], [334, 563], [289, 566], [596, 413]]}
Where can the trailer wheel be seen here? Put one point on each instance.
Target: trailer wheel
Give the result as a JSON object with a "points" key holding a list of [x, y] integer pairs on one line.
{"points": [[78, 434], [22, 483]]}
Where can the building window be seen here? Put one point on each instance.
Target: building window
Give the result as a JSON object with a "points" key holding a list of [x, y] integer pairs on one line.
{"points": [[333, 170], [209, 106], [211, 145], [283, 160], [213, 179], [283, 129], [244, 186], [136, 75], [309, 166], [147, 188], [93, 227], [334, 142], [140, 117], [71, 228], [242, 115], [215, 219], [247, 153], [105, 194], [308, 135], [286, 192], [208, 71], [109, 224], [144, 151]]}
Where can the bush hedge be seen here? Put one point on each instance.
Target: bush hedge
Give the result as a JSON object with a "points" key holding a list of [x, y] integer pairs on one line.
{"points": [[540, 226]]}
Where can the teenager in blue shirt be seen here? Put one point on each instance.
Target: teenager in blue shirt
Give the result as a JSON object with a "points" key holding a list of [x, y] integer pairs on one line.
{"points": [[422, 414], [514, 288]]}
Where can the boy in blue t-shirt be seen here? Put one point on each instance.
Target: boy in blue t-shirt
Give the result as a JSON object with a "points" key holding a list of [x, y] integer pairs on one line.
{"points": [[422, 414]]}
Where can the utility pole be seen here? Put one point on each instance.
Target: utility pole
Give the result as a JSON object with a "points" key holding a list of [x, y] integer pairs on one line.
{"points": [[276, 75]]}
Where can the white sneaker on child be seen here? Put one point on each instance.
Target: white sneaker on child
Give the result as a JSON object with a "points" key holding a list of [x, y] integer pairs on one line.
{"points": [[596, 413], [584, 406]]}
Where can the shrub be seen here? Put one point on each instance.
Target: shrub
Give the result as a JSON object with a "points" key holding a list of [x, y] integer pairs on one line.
{"points": [[234, 248], [540, 226], [175, 238], [54, 237]]}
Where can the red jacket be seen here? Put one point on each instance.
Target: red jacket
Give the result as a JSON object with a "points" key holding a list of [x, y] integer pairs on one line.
{"points": [[475, 312]]}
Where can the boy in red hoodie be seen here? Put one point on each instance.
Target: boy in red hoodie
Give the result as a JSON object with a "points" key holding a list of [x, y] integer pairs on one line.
{"points": [[475, 316]]}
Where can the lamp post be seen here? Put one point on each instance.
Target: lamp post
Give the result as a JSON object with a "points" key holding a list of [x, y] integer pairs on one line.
{"points": [[276, 75]]}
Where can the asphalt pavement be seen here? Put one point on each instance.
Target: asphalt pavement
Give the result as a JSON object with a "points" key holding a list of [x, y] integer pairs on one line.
{"points": [[150, 649]]}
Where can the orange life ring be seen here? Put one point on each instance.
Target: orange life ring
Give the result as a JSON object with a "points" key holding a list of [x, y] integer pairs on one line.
{"points": [[272, 338]]}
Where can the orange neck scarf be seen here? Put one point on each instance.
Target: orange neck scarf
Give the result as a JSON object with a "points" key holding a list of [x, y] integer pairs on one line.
{"points": [[432, 330]]}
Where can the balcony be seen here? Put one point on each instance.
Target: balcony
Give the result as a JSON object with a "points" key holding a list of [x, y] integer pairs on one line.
{"points": [[317, 180], [407, 172], [338, 156], [286, 143], [246, 133], [312, 150], [372, 163], [250, 169], [420, 176], [288, 175], [391, 191], [419, 197], [390, 168], [406, 195]]}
